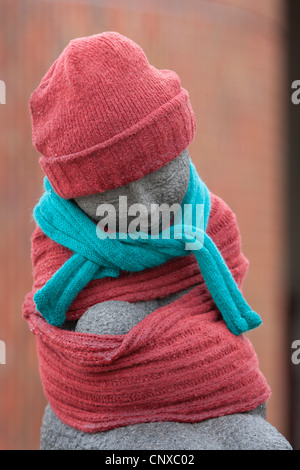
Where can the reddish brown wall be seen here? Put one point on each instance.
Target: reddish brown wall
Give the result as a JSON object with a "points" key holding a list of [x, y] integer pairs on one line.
{"points": [[230, 56]]}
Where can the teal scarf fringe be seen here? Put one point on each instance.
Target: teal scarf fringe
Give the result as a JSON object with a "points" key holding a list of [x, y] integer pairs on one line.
{"points": [[94, 258]]}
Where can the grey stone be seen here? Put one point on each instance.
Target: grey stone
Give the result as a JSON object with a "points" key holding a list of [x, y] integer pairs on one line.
{"points": [[242, 431]]}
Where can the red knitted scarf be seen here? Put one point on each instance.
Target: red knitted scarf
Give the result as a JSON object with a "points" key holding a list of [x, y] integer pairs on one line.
{"points": [[180, 363]]}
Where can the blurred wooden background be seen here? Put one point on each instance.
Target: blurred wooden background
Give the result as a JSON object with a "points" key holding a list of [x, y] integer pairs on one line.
{"points": [[230, 55]]}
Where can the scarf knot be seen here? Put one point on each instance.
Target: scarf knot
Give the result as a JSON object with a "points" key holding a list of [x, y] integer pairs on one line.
{"points": [[97, 257]]}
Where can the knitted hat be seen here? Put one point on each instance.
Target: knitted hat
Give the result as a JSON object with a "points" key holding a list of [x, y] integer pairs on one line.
{"points": [[103, 117]]}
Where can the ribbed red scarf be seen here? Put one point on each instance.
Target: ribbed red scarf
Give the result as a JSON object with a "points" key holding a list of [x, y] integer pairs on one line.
{"points": [[180, 363]]}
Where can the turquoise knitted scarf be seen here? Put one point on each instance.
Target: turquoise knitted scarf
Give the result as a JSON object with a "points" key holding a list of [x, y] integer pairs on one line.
{"points": [[94, 258]]}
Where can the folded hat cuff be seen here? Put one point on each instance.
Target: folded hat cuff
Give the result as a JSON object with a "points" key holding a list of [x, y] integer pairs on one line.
{"points": [[143, 148]]}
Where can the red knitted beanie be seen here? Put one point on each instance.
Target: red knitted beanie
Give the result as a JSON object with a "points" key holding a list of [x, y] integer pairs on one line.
{"points": [[103, 117]]}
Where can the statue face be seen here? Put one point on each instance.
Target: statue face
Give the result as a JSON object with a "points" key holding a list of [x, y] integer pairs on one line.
{"points": [[167, 185]]}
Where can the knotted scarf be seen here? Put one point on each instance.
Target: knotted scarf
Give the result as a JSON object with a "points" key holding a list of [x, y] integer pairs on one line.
{"points": [[95, 258]]}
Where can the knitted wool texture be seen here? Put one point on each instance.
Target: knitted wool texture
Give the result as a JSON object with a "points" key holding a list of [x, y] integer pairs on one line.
{"points": [[181, 363], [103, 117], [65, 223]]}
